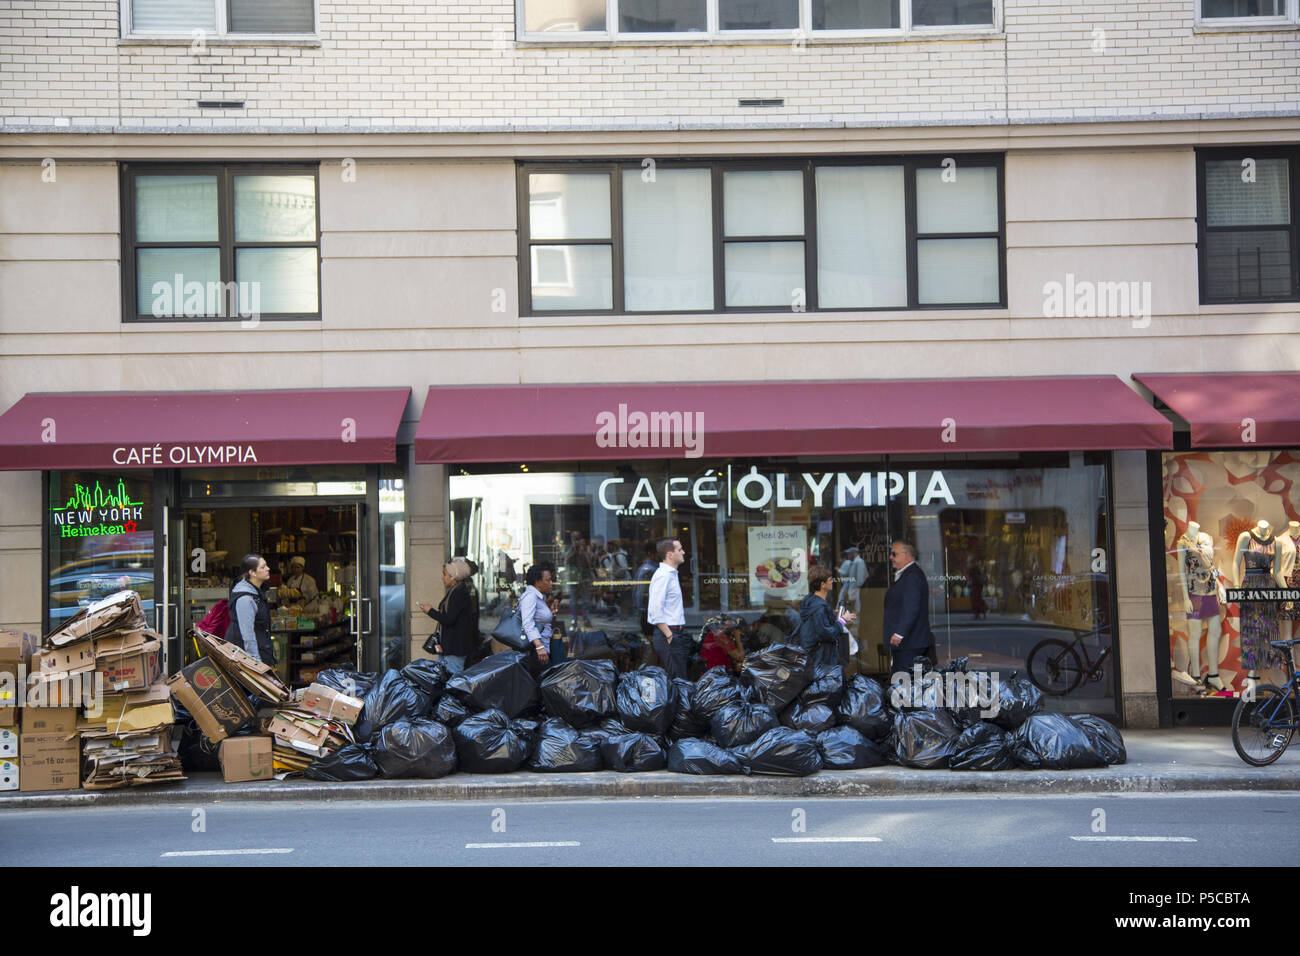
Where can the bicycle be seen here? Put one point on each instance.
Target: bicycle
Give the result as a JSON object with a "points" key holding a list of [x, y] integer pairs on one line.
{"points": [[1055, 668], [1262, 725]]}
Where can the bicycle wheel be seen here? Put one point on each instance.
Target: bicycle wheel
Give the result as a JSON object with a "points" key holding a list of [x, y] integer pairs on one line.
{"points": [[1054, 666], [1262, 728]]}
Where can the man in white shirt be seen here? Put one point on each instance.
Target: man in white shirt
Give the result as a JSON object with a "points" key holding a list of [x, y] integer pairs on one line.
{"points": [[665, 610], [298, 585]]}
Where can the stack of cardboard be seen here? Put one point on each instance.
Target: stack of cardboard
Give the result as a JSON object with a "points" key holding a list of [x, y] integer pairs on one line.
{"points": [[130, 743], [314, 724], [258, 678], [106, 641], [16, 652]]}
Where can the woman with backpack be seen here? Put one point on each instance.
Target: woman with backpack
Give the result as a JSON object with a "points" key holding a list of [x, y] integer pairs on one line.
{"points": [[250, 615]]}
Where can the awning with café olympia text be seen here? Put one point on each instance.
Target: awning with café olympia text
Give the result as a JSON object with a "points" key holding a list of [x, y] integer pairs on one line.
{"points": [[1233, 409], [523, 423], [53, 431]]}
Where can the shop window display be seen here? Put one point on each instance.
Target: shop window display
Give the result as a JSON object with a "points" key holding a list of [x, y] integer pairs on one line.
{"points": [[1232, 520]]}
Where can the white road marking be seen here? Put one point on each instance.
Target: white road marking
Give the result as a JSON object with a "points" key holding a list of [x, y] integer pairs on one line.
{"points": [[826, 840], [489, 846], [229, 852], [1133, 839]]}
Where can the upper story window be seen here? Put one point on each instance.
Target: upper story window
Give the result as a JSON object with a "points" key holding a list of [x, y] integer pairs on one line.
{"points": [[1246, 224], [792, 235], [218, 17], [670, 20], [1254, 12], [220, 243]]}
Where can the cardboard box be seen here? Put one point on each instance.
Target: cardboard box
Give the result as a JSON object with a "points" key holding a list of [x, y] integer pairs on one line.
{"points": [[331, 703], [8, 716], [245, 758], [76, 658], [8, 745], [49, 720], [259, 678], [50, 762], [138, 710], [303, 732], [218, 706], [16, 649], [135, 668], [122, 609], [8, 775]]}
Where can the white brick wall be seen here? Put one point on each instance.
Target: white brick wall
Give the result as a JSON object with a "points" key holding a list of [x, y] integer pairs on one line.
{"points": [[435, 65]]}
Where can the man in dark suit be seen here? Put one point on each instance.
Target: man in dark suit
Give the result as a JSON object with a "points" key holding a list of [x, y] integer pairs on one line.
{"points": [[907, 610]]}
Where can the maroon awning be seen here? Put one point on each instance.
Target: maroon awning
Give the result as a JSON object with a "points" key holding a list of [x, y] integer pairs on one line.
{"points": [[63, 430], [1233, 409], [492, 423]]}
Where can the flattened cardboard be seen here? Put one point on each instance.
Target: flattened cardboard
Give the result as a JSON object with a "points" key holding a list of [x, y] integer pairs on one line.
{"points": [[49, 720], [75, 658], [135, 670], [217, 705], [136, 711], [259, 678], [50, 762], [299, 732], [332, 704], [122, 609], [245, 759]]}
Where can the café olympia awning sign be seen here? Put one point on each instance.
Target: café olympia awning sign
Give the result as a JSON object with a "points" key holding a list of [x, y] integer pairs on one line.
{"points": [[114, 430]]}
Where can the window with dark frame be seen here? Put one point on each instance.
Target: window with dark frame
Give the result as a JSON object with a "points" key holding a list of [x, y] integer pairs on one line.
{"points": [[749, 235], [220, 243], [261, 17], [1224, 9], [1246, 225]]}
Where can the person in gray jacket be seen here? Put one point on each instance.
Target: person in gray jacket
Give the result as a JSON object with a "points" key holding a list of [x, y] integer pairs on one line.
{"points": [[250, 615]]}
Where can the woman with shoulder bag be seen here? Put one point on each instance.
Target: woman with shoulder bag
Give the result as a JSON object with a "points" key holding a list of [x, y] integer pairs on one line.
{"points": [[452, 642], [250, 615], [537, 612]]}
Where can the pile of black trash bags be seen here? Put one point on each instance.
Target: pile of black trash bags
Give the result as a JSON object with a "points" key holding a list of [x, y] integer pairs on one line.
{"points": [[778, 716]]}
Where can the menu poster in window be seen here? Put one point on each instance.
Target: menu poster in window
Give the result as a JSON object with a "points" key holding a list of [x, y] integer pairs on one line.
{"points": [[778, 563], [866, 529]]}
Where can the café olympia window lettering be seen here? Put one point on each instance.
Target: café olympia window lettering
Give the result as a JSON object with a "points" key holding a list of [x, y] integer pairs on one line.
{"points": [[756, 491], [184, 455]]}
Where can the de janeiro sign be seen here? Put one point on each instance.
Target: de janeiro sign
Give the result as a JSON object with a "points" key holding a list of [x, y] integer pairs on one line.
{"points": [[755, 491]]}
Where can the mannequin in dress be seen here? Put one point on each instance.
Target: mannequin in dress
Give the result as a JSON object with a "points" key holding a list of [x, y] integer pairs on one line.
{"points": [[1256, 566], [1200, 587], [1289, 577]]}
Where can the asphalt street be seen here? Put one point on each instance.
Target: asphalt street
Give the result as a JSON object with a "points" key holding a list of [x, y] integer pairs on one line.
{"points": [[1207, 829]]}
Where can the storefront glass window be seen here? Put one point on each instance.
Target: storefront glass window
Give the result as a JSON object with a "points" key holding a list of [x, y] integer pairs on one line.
{"points": [[1016, 550], [1232, 520], [101, 539]]}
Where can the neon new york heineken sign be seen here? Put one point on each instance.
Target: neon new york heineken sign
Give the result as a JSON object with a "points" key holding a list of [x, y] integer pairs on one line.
{"points": [[98, 511]]}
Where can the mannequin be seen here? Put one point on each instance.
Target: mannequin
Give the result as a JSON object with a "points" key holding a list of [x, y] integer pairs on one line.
{"points": [[1289, 577], [1200, 586], [1256, 565]]}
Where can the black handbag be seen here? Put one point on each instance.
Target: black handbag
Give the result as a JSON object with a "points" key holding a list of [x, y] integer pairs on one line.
{"points": [[510, 630], [434, 639]]}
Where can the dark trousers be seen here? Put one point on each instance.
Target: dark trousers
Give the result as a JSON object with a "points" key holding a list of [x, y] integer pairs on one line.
{"points": [[675, 658], [902, 660], [555, 648]]}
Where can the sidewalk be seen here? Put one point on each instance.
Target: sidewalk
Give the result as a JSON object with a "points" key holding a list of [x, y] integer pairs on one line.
{"points": [[1159, 761]]}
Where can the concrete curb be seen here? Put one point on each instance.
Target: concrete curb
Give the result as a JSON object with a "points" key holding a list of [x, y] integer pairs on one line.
{"points": [[523, 785]]}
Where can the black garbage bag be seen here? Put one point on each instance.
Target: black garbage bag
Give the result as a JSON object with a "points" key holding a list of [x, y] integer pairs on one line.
{"points": [[983, 746], [1103, 736], [562, 749], [925, 739], [347, 682], [826, 687], [393, 698], [692, 755], [486, 744], [632, 753], [740, 723], [588, 646], [715, 688], [528, 729], [1018, 699], [414, 748], [430, 676], [197, 753], [581, 693], [783, 752], [917, 689], [645, 701], [843, 748], [813, 718], [777, 674], [865, 708], [353, 762], [957, 665], [450, 711], [686, 722], [970, 694], [1054, 742], [501, 682]]}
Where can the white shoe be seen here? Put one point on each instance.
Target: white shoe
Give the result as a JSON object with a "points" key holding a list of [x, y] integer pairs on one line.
{"points": [[1185, 678]]}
